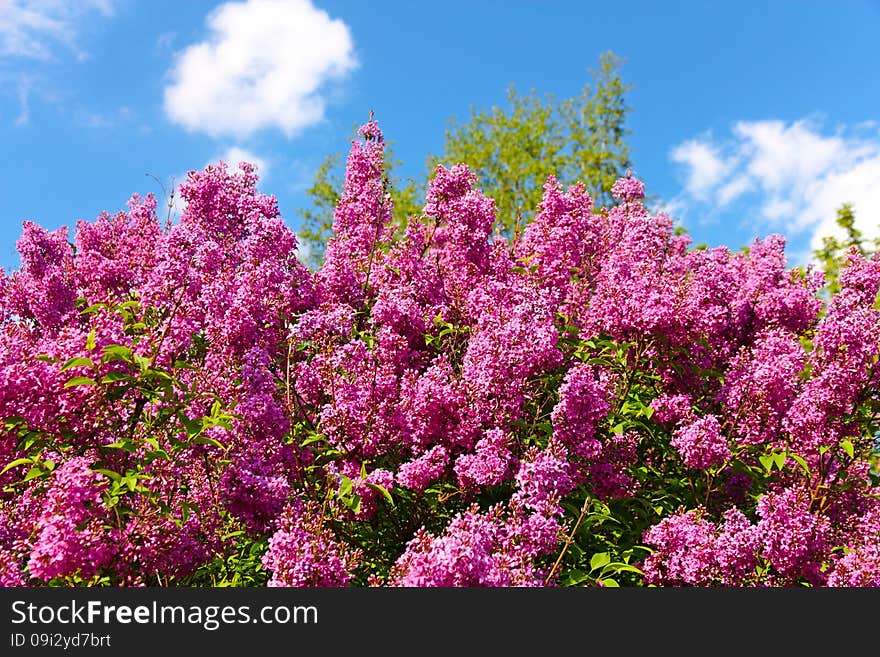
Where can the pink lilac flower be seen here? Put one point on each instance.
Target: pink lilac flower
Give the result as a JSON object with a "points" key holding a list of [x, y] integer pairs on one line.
{"points": [[701, 444], [628, 189], [70, 537], [488, 465], [584, 400], [421, 471], [558, 243], [690, 550], [609, 475], [859, 564], [761, 385], [670, 409], [792, 537], [302, 552]]}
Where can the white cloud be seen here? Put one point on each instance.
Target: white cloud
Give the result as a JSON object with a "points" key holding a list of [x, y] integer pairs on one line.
{"points": [[790, 177], [24, 101], [166, 39], [109, 118], [706, 167], [265, 64], [734, 188], [777, 154], [34, 33], [32, 29]]}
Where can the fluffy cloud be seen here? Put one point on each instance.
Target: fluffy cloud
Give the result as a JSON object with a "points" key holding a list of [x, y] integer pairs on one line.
{"points": [[265, 64], [791, 177], [32, 29], [705, 167]]}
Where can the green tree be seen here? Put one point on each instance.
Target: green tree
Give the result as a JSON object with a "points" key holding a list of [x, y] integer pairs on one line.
{"points": [[317, 221], [831, 255], [512, 150]]}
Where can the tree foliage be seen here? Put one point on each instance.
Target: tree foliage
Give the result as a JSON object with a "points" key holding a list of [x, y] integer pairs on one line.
{"points": [[831, 256], [512, 150]]}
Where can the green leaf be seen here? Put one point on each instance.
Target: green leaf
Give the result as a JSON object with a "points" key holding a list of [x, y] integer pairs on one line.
{"points": [[575, 577], [544, 427], [15, 464], [124, 445], [801, 462], [847, 447], [77, 362], [157, 374], [116, 352], [193, 427], [382, 490], [766, 461], [113, 377], [314, 438], [91, 309], [779, 459], [624, 568], [110, 474], [33, 473], [14, 421], [610, 583], [205, 440], [90, 341], [345, 486], [80, 381], [599, 559]]}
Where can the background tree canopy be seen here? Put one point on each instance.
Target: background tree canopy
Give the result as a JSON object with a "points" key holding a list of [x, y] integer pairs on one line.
{"points": [[512, 150], [832, 254]]}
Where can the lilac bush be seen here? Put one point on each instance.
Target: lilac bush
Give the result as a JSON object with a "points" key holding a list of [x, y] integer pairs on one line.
{"points": [[595, 402]]}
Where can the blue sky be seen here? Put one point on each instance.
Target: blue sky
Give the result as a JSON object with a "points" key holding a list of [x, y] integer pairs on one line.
{"points": [[747, 118]]}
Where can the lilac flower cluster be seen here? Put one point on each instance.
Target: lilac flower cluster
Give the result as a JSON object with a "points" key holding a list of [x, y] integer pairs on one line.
{"points": [[701, 443], [303, 553]]}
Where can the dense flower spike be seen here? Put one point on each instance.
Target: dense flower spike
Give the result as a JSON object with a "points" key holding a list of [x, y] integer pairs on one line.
{"points": [[761, 384], [584, 400], [690, 550], [360, 223], [303, 553], [69, 534], [488, 465], [592, 402], [701, 444], [562, 237]]}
